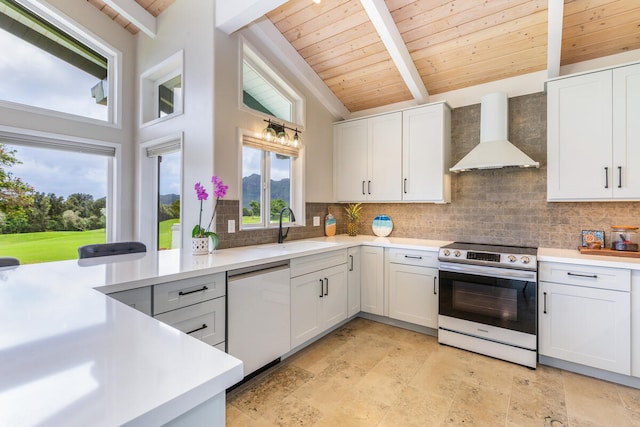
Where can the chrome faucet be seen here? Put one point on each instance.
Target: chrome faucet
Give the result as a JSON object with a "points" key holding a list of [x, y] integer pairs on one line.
{"points": [[281, 236]]}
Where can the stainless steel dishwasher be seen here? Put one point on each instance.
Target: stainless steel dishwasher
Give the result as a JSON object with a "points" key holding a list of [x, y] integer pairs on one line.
{"points": [[258, 315]]}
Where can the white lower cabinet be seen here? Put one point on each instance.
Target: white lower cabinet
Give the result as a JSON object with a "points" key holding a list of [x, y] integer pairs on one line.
{"points": [[353, 281], [195, 306], [413, 287], [635, 323], [204, 321], [318, 302], [584, 315], [372, 280]]}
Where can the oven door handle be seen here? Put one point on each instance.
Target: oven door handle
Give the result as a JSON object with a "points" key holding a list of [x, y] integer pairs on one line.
{"points": [[499, 273]]}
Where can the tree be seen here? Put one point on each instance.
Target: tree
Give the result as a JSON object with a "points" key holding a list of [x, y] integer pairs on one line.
{"points": [[81, 203], [38, 214], [254, 205], [276, 206], [14, 193]]}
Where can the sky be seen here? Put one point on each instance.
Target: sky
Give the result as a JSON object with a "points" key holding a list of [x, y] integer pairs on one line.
{"points": [[61, 172], [31, 76]]}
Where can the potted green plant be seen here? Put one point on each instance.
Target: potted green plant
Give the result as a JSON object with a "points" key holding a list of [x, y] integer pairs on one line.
{"points": [[354, 212]]}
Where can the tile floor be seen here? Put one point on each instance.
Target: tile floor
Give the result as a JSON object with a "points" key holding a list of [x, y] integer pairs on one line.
{"points": [[370, 374]]}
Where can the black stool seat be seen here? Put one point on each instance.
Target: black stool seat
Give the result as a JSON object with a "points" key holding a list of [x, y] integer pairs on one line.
{"points": [[106, 249], [7, 261]]}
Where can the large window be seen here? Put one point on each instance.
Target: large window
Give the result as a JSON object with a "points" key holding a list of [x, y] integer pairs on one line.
{"points": [[59, 199], [264, 91], [271, 180], [46, 64]]}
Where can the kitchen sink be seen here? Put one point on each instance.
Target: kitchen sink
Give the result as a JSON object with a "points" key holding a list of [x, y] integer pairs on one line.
{"points": [[295, 246]]}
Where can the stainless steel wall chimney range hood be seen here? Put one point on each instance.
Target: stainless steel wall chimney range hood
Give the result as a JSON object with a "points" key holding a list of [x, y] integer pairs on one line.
{"points": [[494, 150]]}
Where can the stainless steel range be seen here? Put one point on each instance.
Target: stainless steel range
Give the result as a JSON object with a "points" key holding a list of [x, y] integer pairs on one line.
{"points": [[488, 300]]}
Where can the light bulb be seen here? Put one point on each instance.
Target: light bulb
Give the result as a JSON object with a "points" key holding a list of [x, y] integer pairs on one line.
{"points": [[268, 134], [283, 138]]}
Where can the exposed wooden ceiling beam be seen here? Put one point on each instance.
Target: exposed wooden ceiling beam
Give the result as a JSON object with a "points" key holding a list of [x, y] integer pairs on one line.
{"points": [[233, 15], [388, 31], [265, 35], [555, 13], [135, 14]]}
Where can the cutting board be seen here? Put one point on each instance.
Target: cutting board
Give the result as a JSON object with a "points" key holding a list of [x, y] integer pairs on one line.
{"points": [[609, 252]]}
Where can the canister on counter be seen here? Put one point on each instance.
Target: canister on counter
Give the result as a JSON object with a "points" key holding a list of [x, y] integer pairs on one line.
{"points": [[624, 238]]}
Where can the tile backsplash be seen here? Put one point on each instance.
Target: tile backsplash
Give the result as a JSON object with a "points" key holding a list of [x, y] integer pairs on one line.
{"points": [[503, 206]]}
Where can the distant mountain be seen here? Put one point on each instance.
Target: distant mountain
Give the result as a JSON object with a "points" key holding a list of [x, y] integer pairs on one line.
{"points": [[167, 199], [251, 189]]}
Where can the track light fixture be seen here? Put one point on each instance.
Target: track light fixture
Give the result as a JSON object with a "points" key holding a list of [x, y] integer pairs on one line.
{"points": [[275, 132]]}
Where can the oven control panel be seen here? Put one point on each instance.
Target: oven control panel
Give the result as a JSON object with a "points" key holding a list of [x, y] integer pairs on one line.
{"points": [[526, 261]]}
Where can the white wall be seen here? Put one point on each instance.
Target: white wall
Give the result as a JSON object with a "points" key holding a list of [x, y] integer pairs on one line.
{"points": [[317, 136], [93, 21], [187, 25]]}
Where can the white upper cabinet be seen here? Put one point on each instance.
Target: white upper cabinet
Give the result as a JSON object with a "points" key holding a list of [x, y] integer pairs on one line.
{"points": [[426, 148], [626, 132], [368, 159], [593, 143], [401, 156], [350, 160]]}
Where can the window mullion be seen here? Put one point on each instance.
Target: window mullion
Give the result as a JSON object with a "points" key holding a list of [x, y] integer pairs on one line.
{"points": [[266, 189]]}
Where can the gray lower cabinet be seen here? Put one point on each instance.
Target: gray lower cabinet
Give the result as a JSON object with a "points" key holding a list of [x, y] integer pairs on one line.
{"points": [[139, 298]]}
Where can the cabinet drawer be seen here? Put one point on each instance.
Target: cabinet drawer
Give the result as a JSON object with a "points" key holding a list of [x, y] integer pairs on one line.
{"points": [[204, 321], [311, 263], [414, 257], [172, 295], [139, 298], [616, 279]]}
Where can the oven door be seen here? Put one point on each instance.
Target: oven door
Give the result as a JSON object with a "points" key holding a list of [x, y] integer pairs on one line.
{"points": [[500, 297]]}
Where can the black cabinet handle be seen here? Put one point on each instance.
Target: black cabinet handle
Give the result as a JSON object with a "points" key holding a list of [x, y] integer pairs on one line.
{"points": [[321, 288], [369, 187], [204, 288], [350, 262], [326, 283], [434, 285], [413, 257], [404, 186], [589, 276], [619, 176], [363, 193], [545, 302], [204, 326], [606, 177]]}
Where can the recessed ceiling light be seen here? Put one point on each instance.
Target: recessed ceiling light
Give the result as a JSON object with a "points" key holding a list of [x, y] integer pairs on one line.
{"points": [[317, 1]]}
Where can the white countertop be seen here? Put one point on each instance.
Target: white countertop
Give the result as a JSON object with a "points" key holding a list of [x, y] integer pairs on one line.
{"points": [[573, 256], [70, 355]]}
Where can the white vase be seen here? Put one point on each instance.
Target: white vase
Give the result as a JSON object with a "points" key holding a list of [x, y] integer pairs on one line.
{"points": [[199, 245]]}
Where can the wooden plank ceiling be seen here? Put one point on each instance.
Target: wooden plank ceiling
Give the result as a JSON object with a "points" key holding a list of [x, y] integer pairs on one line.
{"points": [[453, 44], [154, 7]]}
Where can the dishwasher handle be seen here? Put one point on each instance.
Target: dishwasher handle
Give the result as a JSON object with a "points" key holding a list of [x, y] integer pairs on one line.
{"points": [[256, 270]]}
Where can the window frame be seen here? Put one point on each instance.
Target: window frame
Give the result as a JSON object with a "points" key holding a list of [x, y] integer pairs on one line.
{"points": [[296, 171], [18, 136], [271, 75], [148, 196], [114, 67], [149, 82]]}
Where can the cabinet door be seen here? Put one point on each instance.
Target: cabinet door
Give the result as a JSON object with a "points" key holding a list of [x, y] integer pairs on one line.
{"points": [[583, 325], [372, 280], [385, 158], [334, 299], [579, 137], [413, 294], [353, 281], [425, 154], [626, 132], [350, 146], [635, 323], [306, 314]]}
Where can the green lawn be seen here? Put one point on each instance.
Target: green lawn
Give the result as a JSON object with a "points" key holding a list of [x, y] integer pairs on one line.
{"points": [[165, 232], [46, 246], [31, 248]]}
